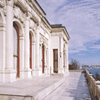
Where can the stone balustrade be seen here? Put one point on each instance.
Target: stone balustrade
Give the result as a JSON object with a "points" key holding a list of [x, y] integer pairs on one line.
{"points": [[94, 85]]}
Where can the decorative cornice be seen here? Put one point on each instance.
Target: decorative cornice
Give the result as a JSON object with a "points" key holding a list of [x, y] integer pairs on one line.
{"points": [[57, 34], [21, 4]]}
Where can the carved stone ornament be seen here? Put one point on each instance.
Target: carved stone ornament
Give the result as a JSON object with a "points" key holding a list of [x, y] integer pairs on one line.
{"points": [[10, 2], [1, 3], [5, 11], [21, 35], [19, 14], [41, 40]]}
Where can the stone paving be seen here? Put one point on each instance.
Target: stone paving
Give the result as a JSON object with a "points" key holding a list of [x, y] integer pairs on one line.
{"points": [[74, 88], [29, 89], [71, 87]]}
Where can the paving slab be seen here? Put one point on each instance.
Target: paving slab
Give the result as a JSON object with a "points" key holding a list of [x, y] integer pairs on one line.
{"points": [[74, 88], [29, 89]]}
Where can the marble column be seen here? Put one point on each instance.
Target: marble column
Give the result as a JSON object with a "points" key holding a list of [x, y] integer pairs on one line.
{"points": [[33, 58], [27, 70], [45, 58], [40, 55], [2, 51], [66, 60], [38, 70], [10, 73], [48, 59], [67, 64], [21, 55], [61, 69]]}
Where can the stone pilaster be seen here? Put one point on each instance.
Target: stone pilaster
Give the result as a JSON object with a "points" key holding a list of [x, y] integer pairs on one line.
{"points": [[21, 56], [61, 69], [27, 70], [38, 70], [10, 73], [33, 58], [2, 51], [40, 55], [67, 63], [45, 54], [48, 58]]}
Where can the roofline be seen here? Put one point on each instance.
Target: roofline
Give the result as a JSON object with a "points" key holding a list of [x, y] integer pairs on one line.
{"points": [[60, 26], [40, 7]]}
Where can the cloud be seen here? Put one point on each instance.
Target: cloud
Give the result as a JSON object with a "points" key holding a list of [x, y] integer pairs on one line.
{"points": [[97, 47], [81, 54], [81, 19]]}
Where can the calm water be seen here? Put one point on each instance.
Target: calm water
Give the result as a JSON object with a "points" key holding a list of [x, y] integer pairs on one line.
{"points": [[93, 71]]}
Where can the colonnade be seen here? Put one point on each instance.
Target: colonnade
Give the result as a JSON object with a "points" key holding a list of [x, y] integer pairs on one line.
{"points": [[42, 58]]}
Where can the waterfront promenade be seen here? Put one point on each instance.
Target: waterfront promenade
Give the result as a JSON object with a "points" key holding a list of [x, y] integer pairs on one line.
{"points": [[71, 87], [74, 88]]}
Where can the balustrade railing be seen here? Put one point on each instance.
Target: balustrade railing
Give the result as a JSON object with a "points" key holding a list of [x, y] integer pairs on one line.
{"points": [[94, 85], [15, 97]]}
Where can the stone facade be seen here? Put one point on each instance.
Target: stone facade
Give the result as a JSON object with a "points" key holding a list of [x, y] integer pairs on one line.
{"points": [[28, 42]]}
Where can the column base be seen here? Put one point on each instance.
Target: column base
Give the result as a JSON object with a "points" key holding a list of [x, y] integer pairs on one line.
{"points": [[45, 70], [27, 73], [51, 70], [37, 72], [2, 77], [66, 69], [22, 74], [66, 73], [10, 75], [61, 71], [48, 71]]}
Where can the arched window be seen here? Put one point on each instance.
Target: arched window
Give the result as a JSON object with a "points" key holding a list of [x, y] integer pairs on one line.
{"points": [[30, 50], [16, 48]]}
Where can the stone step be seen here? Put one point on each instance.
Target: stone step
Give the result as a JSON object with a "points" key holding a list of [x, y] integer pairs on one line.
{"points": [[34, 96], [57, 75], [48, 90]]}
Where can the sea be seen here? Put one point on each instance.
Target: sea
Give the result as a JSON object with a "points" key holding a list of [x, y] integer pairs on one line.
{"points": [[94, 70]]}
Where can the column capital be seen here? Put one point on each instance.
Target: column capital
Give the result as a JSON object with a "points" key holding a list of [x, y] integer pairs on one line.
{"points": [[40, 44], [33, 43], [21, 35]]}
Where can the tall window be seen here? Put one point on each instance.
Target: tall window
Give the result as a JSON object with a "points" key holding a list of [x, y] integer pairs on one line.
{"points": [[16, 48], [30, 50]]}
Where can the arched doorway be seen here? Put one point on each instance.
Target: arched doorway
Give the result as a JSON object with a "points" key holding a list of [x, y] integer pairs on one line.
{"points": [[55, 60], [30, 50], [16, 46]]}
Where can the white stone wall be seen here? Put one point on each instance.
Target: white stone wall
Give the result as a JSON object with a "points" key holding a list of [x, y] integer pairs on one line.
{"points": [[29, 20]]}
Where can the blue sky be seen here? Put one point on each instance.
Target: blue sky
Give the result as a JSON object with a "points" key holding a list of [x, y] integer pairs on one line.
{"points": [[82, 21]]}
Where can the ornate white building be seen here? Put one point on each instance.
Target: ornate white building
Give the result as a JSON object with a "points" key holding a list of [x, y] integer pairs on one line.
{"points": [[29, 45]]}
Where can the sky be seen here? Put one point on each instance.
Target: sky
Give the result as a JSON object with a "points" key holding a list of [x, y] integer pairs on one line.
{"points": [[82, 21]]}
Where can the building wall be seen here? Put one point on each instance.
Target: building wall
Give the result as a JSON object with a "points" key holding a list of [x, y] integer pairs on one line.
{"points": [[28, 21], [54, 45]]}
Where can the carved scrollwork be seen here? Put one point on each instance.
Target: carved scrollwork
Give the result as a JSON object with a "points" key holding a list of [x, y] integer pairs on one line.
{"points": [[19, 14], [10, 2], [1, 3]]}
